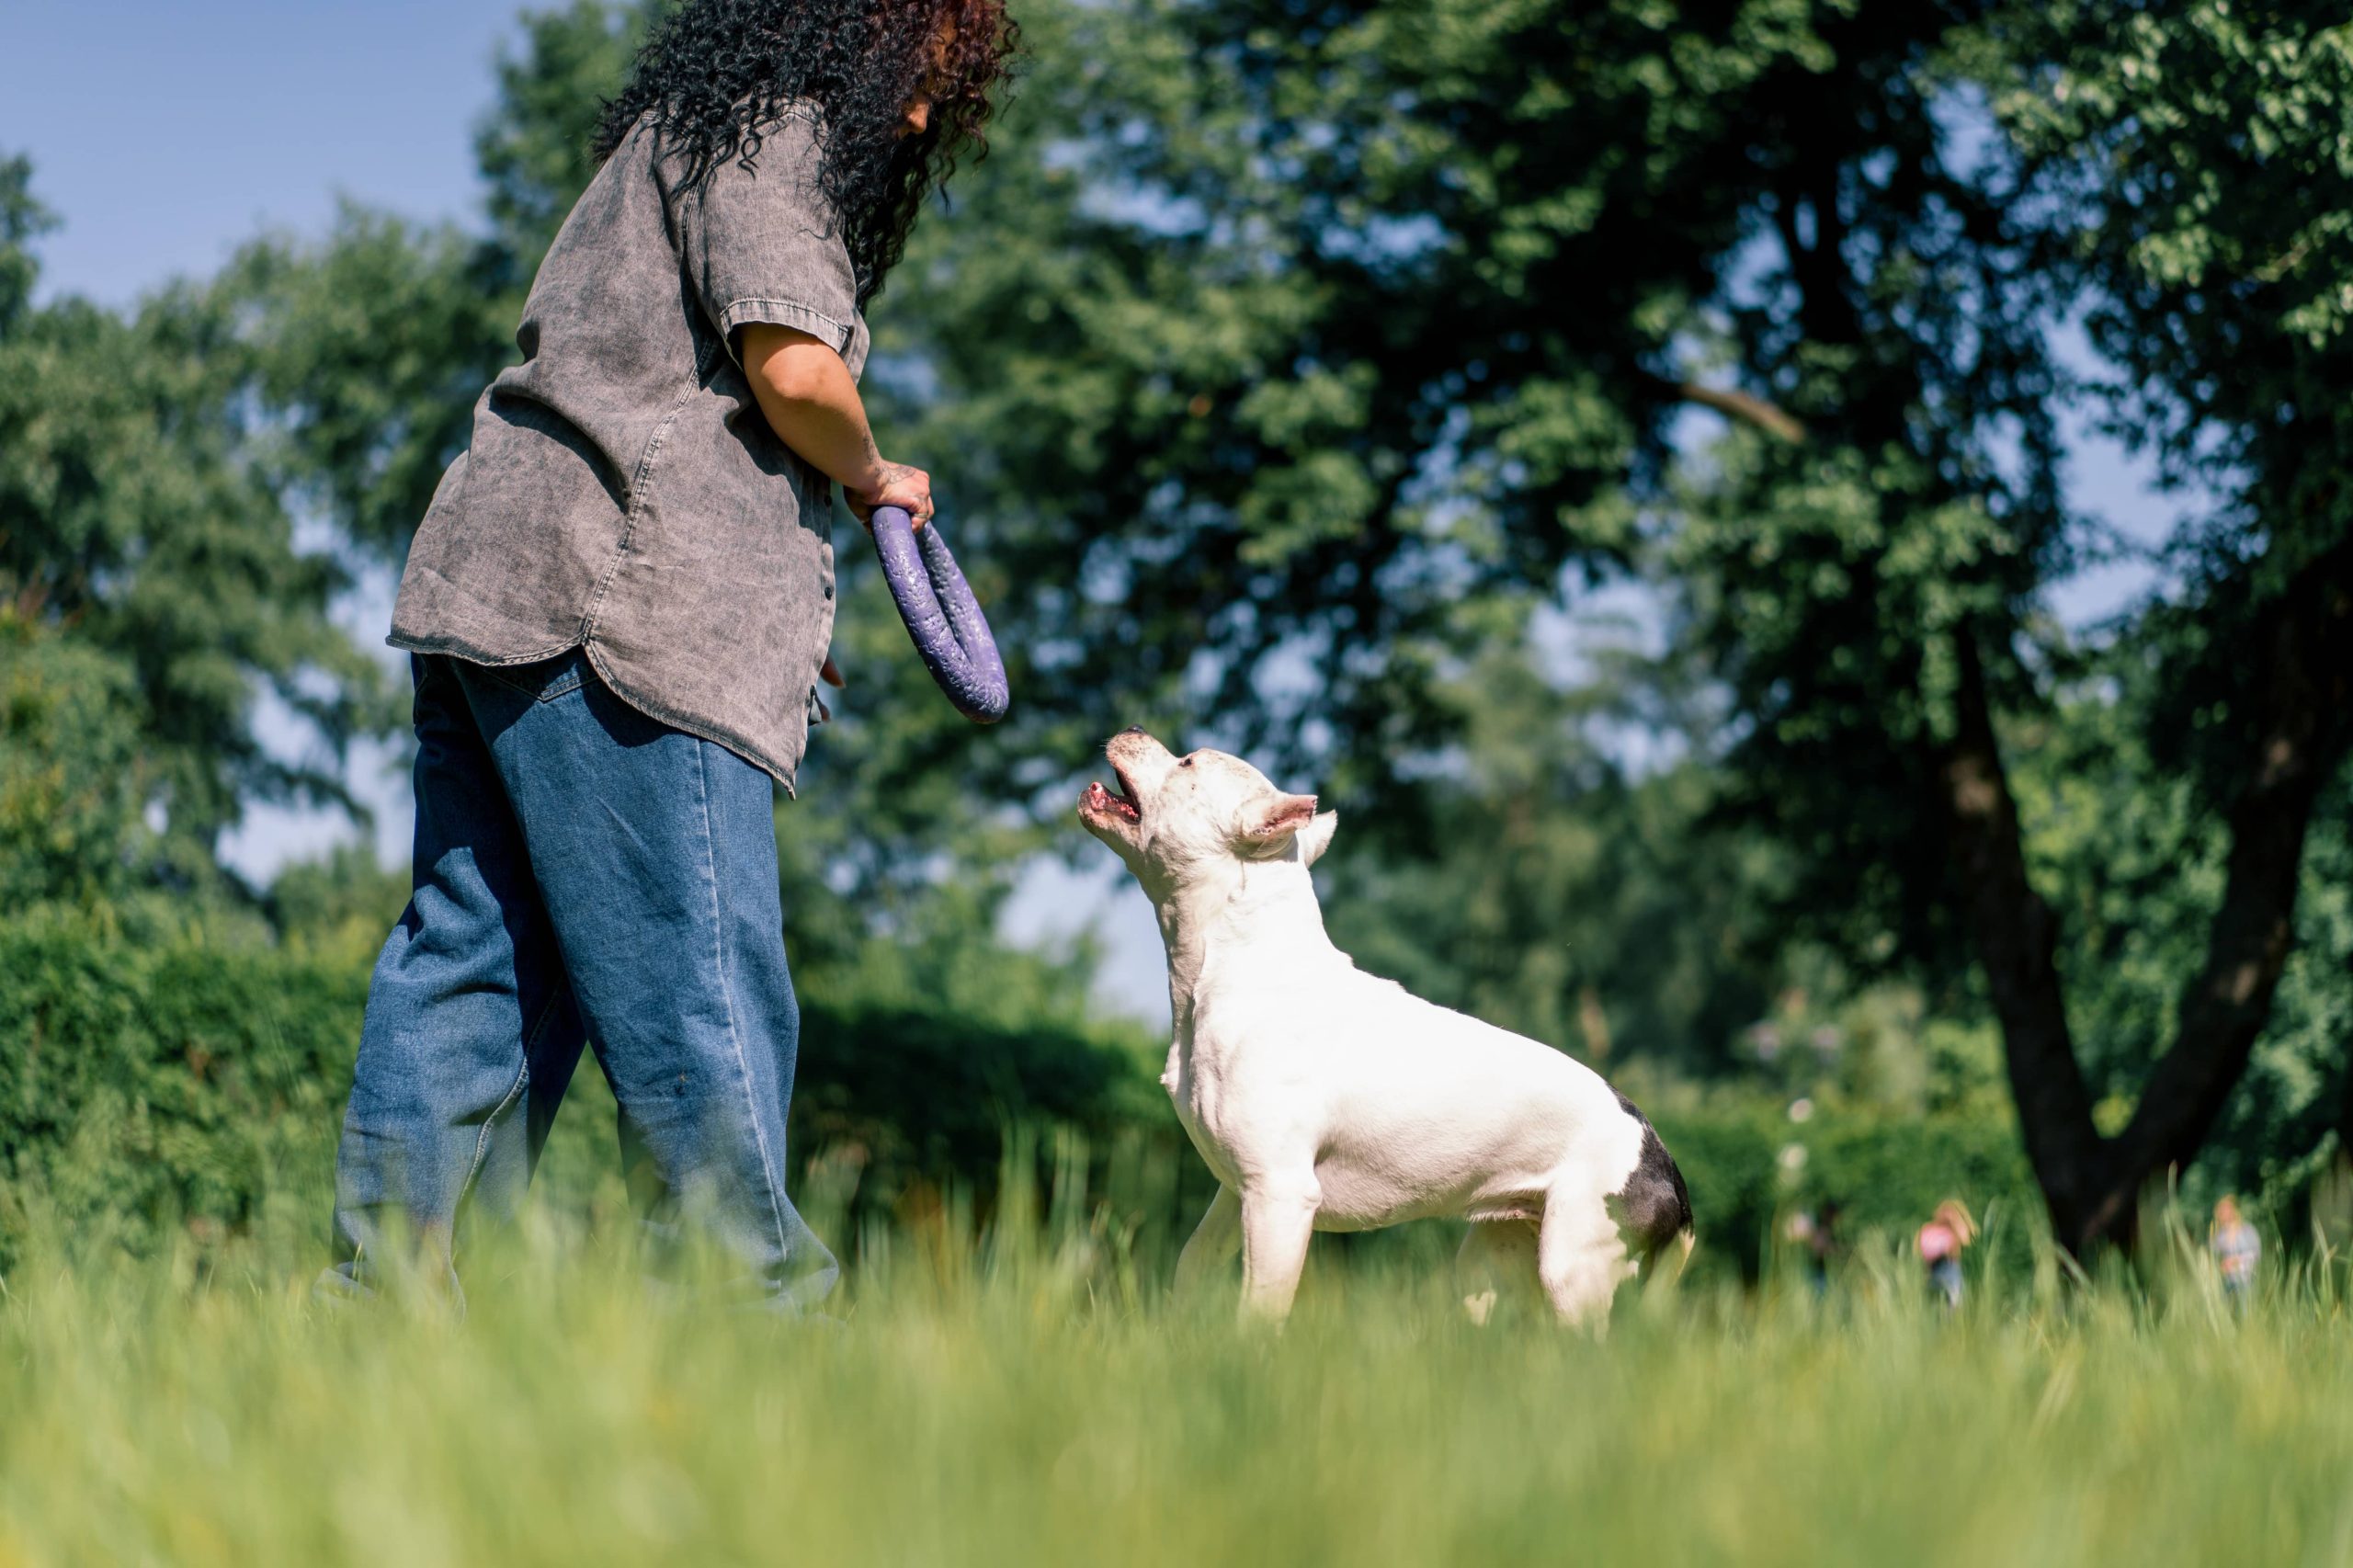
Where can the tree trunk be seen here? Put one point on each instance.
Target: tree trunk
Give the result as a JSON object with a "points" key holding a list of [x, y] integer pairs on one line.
{"points": [[2016, 940], [2297, 738]]}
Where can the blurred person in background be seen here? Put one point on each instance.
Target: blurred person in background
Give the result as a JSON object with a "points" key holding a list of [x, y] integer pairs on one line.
{"points": [[1941, 1242], [1814, 1232], [2236, 1246]]}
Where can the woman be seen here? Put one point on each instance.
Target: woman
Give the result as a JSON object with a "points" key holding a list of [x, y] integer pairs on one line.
{"points": [[618, 609]]}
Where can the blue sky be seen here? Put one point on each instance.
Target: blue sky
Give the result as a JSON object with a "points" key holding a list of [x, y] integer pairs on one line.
{"points": [[165, 133]]}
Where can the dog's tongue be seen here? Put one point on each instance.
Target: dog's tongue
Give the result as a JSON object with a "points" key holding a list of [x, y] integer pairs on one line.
{"points": [[1099, 799]]}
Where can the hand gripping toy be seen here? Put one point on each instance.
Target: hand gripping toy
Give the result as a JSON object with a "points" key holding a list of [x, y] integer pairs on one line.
{"points": [[942, 617]]}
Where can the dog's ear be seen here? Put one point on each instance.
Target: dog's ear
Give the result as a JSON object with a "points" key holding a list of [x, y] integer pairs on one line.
{"points": [[1316, 837], [1269, 825]]}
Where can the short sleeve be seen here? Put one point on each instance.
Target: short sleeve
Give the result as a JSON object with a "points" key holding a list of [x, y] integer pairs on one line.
{"points": [[760, 245]]}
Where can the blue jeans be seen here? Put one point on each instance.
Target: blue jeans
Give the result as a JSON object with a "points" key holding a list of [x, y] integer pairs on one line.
{"points": [[1945, 1276], [583, 874]]}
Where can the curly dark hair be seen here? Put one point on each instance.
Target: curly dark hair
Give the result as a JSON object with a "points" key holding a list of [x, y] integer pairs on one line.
{"points": [[714, 71]]}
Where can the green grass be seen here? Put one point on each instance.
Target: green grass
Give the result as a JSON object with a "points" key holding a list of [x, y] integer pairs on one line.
{"points": [[1029, 1394]]}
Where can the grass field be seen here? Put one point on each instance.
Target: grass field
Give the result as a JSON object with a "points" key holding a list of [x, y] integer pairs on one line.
{"points": [[1027, 1394]]}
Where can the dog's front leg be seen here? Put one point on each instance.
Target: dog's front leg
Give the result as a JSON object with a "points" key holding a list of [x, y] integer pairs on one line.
{"points": [[1278, 1221], [1214, 1241]]}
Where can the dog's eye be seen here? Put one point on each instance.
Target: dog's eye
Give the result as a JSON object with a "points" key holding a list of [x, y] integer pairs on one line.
{"points": [[1186, 763]]}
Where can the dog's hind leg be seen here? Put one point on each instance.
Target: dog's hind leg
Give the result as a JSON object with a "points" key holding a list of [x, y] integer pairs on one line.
{"points": [[1214, 1241], [1579, 1259], [1498, 1261], [1278, 1221]]}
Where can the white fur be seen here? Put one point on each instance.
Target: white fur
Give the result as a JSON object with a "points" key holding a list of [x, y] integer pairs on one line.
{"points": [[1326, 1099]]}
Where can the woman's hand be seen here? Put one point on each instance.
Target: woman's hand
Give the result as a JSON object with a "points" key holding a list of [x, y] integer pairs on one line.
{"points": [[899, 485]]}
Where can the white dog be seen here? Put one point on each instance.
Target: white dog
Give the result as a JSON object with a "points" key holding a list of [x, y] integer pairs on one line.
{"points": [[1325, 1099]]}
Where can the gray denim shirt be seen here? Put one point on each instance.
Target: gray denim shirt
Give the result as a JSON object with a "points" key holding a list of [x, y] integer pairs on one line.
{"points": [[623, 492]]}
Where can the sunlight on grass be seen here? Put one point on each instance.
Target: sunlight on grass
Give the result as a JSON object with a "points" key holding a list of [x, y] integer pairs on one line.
{"points": [[1026, 1391]]}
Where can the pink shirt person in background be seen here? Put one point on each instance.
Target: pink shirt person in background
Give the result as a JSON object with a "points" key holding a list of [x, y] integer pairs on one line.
{"points": [[1941, 1242]]}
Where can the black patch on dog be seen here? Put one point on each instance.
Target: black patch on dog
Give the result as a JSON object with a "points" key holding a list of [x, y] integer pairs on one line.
{"points": [[1653, 1206]]}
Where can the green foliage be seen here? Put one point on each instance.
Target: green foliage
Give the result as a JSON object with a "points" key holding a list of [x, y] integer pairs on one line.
{"points": [[1277, 368], [919, 1100], [534, 148], [22, 219], [1888, 1175], [158, 1075], [2143, 866], [151, 1079], [1267, 343], [2195, 158], [2202, 142], [339, 907], [1832, 1040], [1541, 883], [1750, 1167], [132, 527], [71, 785]]}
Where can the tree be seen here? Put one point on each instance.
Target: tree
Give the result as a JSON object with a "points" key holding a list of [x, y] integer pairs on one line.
{"points": [[1550, 883], [1280, 343], [145, 563], [2201, 144], [71, 776], [1877, 597], [1282, 359], [2138, 861], [1306, 339]]}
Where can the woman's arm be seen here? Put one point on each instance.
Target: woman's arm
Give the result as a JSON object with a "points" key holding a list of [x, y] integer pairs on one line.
{"points": [[813, 405]]}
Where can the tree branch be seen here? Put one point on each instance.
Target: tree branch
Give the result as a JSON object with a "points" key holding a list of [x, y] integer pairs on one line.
{"points": [[1775, 421], [2300, 739]]}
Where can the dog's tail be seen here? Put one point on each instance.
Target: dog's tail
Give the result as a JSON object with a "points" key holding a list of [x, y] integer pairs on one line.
{"points": [[1684, 1242]]}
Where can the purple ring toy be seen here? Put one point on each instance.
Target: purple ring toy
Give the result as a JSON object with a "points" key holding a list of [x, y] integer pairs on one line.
{"points": [[942, 617]]}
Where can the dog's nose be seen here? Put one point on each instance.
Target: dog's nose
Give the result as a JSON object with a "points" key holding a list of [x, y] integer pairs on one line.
{"points": [[1133, 730]]}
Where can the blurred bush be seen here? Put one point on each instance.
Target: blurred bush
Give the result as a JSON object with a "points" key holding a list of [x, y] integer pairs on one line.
{"points": [[151, 1080], [158, 1078], [71, 771], [157, 1075], [1750, 1168]]}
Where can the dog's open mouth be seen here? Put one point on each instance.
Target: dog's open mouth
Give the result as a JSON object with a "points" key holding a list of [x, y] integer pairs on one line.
{"points": [[1117, 801]]}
